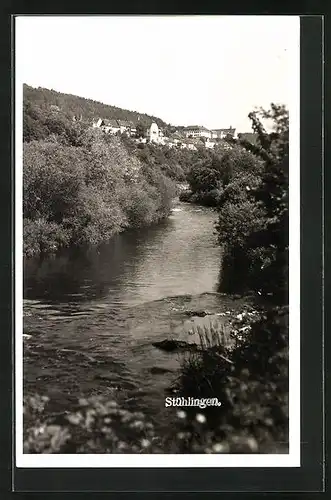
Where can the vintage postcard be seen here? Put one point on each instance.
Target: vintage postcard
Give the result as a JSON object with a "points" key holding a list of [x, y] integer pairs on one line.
{"points": [[157, 268]]}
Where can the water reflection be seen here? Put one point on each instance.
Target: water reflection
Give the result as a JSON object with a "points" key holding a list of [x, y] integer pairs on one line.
{"points": [[178, 256], [112, 302]]}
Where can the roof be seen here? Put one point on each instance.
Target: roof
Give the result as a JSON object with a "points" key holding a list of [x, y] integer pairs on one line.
{"points": [[118, 123], [177, 135], [196, 127], [124, 123], [153, 124], [110, 123], [191, 141]]}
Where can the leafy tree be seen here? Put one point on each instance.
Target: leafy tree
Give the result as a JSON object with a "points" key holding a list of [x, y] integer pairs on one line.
{"points": [[89, 110], [258, 257], [84, 194]]}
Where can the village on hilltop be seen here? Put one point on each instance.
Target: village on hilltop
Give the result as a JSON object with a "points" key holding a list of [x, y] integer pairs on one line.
{"points": [[184, 137]]}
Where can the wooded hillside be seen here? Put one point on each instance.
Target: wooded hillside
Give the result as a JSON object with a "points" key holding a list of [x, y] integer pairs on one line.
{"points": [[72, 105]]}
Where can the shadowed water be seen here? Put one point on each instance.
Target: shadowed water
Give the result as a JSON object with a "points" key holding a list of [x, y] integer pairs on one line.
{"points": [[93, 314]]}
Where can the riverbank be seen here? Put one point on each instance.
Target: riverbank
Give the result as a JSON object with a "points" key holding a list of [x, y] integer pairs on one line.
{"points": [[113, 301], [202, 198], [112, 329], [253, 417], [96, 314], [86, 192], [94, 351]]}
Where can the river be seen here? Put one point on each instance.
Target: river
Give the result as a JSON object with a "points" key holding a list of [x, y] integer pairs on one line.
{"points": [[91, 315]]}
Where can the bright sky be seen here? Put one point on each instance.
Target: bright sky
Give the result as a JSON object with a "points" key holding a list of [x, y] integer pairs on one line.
{"points": [[187, 70]]}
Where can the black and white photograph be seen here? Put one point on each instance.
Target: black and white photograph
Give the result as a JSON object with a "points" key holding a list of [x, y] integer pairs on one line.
{"points": [[157, 230]]}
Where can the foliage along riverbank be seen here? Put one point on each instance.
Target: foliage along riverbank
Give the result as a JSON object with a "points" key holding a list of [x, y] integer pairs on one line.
{"points": [[81, 186], [252, 417], [86, 193], [249, 186]]}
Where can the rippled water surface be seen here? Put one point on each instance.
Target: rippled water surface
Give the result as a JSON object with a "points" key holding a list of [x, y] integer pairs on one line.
{"points": [[90, 316]]}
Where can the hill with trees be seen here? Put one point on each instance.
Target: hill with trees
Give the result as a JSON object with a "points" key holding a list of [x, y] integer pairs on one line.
{"points": [[81, 186], [40, 104]]}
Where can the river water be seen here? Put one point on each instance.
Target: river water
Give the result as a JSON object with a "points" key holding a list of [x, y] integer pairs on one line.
{"points": [[91, 315]]}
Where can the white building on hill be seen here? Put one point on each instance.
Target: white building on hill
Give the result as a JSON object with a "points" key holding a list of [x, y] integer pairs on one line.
{"points": [[196, 131], [154, 134], [109, 126], [98, 123]]}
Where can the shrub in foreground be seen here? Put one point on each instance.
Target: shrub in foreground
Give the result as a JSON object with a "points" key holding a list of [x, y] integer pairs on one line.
{"points": [[249, 377], [253, 215], [95, 426]]}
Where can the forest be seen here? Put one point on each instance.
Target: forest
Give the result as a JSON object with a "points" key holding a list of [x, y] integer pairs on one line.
{"points": [[39, 102]]}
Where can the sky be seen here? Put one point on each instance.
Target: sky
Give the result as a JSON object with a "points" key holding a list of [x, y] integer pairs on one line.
{"points": [[186, 70]]}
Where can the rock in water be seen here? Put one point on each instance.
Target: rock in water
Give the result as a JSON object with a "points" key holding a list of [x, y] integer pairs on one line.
{"points": [[158, 370], [171, 345], [200, 314]]}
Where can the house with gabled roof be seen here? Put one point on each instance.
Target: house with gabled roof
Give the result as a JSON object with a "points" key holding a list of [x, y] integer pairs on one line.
{"points": [[125, 126], [133, 128], [189, 143], [97, 124], [155, 134], [113, 126], [110, 126]]}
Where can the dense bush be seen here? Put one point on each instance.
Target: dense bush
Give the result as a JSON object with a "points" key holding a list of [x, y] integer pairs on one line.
{"points": [[40, 123], [42, 236], [212, 171], [208, 198], [250, 378], [96, 425], [86, 193], [81, 186], [253, 214], [248, 184], [173, 162]]}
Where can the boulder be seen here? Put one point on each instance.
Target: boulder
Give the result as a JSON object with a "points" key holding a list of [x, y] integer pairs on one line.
{"points": [[158, 370], [171, 345], [200, 314]]}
